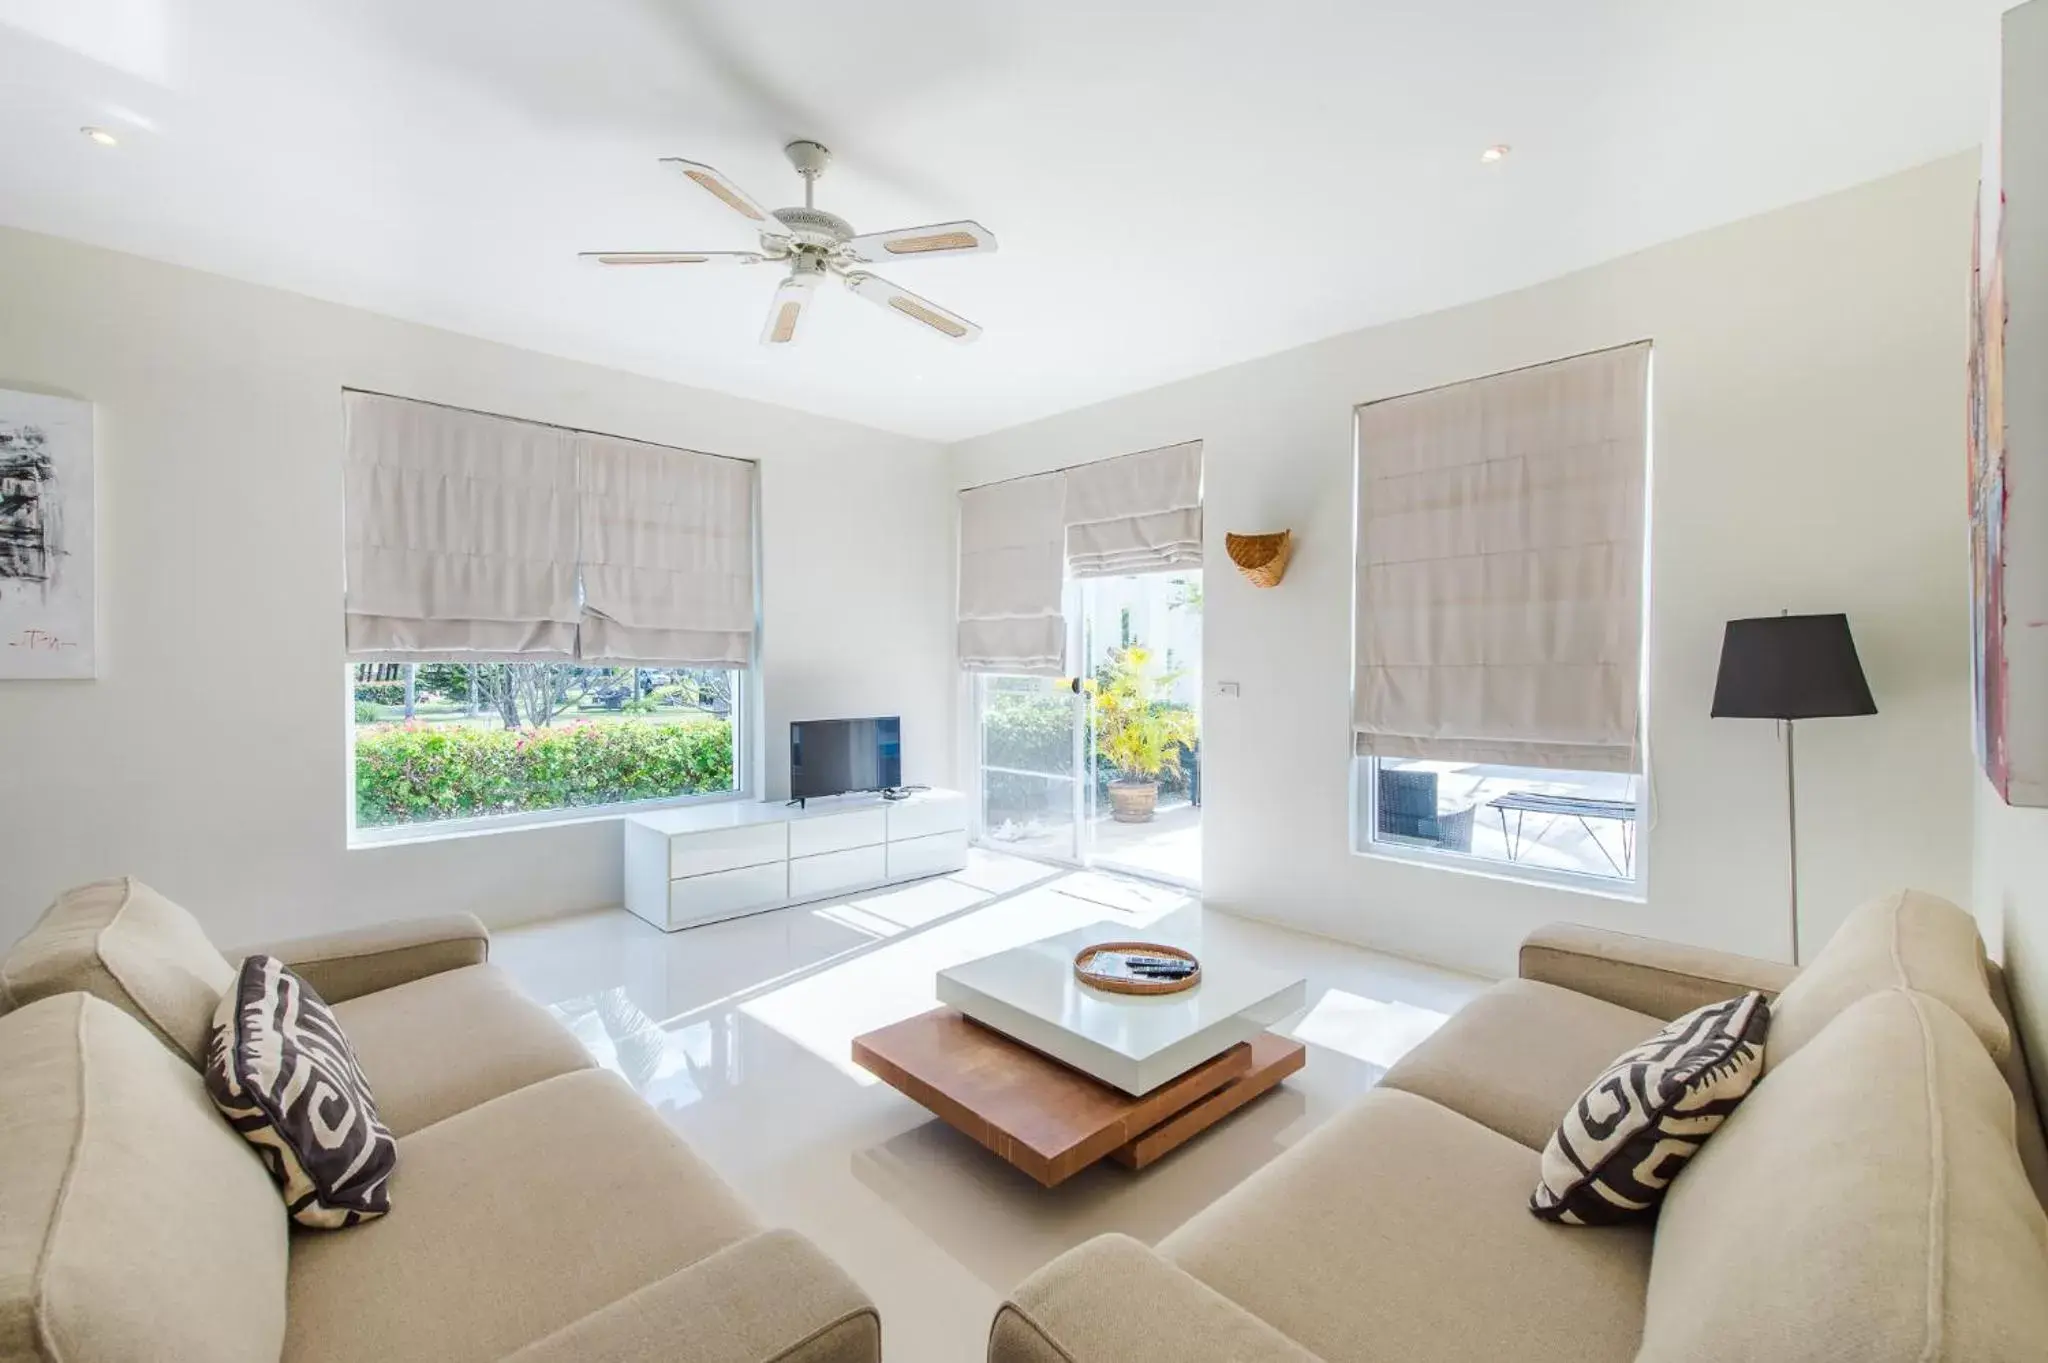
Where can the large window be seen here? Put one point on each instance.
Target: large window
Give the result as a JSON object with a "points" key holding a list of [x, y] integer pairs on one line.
{"points": [[440, 741], [1498, 690], [538, 619]]}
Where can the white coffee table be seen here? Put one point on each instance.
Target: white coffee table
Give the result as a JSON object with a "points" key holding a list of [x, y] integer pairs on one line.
{"points": [[1135, 1043], [1053, 1075]]}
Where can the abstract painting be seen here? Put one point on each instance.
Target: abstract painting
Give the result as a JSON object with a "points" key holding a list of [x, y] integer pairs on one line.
{"points": [[47, 603]]}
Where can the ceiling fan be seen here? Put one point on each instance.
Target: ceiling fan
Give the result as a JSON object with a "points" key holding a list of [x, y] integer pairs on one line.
{"points": [[814, 243]]}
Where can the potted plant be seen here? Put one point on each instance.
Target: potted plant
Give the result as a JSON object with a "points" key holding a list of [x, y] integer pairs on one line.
{"points": [[1140, 735]]}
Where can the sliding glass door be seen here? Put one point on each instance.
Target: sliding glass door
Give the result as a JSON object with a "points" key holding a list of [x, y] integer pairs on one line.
{"points": [[1030, 735], [1104, 769]]}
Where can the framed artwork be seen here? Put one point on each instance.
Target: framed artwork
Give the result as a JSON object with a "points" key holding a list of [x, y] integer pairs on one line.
{"points": [[48, 614], [2014, 756]]}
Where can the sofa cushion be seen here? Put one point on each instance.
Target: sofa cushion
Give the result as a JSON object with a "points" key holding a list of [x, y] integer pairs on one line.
{"points": [[1865, 1202], [771, 1296], [282, 1073], [516, 1218], [1113, 1298], [1517, 1056], [123, 942], [1400, 1229], [133, 1224], [1630, 1133], [443, 1044], [1904, 940]]}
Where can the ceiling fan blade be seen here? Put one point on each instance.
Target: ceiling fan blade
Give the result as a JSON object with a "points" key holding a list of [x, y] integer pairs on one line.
{"points": [[904, 303], [792, 301], [672, 257], [936, 239], [730, 194]]}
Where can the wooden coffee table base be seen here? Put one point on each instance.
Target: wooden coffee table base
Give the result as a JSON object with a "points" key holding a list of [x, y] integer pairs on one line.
{"points": [[1052, 1121]]}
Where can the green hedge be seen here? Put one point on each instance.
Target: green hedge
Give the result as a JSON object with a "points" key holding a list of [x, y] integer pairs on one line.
{"points": [[380, 693], [406, 773]]}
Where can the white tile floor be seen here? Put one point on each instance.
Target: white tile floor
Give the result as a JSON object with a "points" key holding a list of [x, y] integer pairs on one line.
{"points": [[739, 1034]]}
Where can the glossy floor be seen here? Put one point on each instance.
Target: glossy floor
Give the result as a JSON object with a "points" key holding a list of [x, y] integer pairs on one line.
{"points": [[740, 1034]]}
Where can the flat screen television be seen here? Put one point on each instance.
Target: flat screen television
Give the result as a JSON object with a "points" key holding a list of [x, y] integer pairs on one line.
{"points": [[838, 756]]}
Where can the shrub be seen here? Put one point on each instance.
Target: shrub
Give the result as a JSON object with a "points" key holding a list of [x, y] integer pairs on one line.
{"points": [[406, 773], [366, 713], [380, 693]]}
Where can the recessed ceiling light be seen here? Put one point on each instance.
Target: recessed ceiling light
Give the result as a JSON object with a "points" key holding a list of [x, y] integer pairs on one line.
{"points": [[1495, 154], [101, 136]]}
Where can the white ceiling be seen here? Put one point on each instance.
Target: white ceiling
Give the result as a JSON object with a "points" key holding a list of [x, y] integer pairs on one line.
{"points": [[1177, 185]]}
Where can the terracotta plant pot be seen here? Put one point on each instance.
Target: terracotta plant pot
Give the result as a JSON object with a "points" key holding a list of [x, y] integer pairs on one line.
{"points": [[1133, 801]]}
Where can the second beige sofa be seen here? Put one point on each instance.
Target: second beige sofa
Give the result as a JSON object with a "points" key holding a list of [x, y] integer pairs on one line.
{"points": [[541, 1211], [1868, 1201]]}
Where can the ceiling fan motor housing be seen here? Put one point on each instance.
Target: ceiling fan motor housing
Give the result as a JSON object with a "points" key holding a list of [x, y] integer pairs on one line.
{"points": [[813, 227]]}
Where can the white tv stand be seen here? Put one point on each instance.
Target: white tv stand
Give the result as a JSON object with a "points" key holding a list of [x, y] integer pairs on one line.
{"points": [[705, 863]]}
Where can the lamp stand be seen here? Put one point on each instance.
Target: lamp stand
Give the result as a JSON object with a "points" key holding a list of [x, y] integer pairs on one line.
{"points": [[1792, 834]]}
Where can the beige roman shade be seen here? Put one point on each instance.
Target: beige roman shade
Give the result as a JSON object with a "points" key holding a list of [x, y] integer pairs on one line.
{"points": [[1012, 572], [1500, 568], [1137, 513], [475, 537], [461, 534], [668, 556]]}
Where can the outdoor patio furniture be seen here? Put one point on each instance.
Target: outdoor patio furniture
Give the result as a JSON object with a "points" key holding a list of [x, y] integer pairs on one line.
{"points": [[1408, 809], [1522, 803]]}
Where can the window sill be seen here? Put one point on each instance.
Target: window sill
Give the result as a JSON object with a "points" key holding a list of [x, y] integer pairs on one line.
{"points": [[448, 830], [1600, 887]]}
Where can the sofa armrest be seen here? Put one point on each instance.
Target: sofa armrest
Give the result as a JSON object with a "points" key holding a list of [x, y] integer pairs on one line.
{"points": [[1663, 979], [1113, 1300], [344, 965], [771, 1298]]}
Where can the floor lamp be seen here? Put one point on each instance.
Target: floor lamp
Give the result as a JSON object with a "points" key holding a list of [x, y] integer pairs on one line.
{"points": [[1789, 668]]}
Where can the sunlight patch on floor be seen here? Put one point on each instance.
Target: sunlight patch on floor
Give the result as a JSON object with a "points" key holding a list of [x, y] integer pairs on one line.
{"points": [[1378, 1032]]}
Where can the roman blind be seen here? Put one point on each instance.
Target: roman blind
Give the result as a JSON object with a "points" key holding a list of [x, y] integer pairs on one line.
{"points": [[1137, 513], [481, 537], [461, 535], [1499, 595], [667, 555], [1012, 572]]}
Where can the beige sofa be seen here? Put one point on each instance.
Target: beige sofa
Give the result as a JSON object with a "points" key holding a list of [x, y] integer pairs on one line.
{"points": [[541, 1211], [1868, 1202]]}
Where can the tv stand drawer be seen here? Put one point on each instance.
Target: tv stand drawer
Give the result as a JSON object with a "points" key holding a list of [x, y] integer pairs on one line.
{"points": [[727, 894], [815, 835], [726, 849], [833, 872], [925, 814]]}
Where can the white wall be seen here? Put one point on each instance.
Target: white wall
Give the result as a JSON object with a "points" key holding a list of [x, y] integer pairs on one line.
{"points": [[1809, 390], [209, 756]]}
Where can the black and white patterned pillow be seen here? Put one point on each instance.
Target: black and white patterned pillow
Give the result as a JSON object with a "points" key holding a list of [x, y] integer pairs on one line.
{"points": [[1632, 1131], [285, 1077]]}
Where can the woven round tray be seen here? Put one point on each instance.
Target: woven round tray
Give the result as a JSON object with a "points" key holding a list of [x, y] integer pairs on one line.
{"points": [[1106, 965]]}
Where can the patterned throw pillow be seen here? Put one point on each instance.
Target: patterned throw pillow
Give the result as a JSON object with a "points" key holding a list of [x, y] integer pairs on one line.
{"points": [[1631, 1133], [286, 1078]]}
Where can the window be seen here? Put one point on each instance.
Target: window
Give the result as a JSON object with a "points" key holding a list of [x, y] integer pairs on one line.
{"points": [[441, 741], [1523, 820], [539, 619], [1501, 589]]}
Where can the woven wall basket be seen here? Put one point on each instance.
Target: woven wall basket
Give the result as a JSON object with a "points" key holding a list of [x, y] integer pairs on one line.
{"points": [[1261, 558]]}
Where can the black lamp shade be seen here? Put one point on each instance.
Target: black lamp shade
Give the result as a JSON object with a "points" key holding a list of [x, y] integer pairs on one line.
{"points": [[1790, 667]]}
